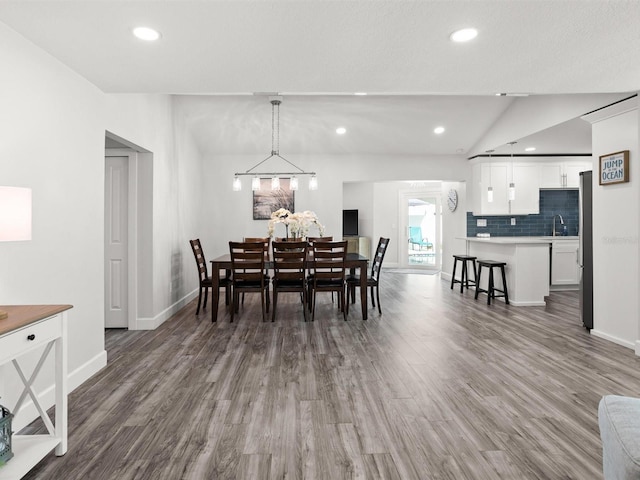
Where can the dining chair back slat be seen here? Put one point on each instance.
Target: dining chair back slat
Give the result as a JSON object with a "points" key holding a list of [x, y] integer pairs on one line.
{"points": [[312, 240], [265, 241]]}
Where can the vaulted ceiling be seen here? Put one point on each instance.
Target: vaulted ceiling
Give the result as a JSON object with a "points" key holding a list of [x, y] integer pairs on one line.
{"points": [[220, 54]]}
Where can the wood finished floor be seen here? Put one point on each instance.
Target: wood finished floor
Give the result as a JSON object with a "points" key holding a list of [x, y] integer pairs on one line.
{"points": [[438, 387]]}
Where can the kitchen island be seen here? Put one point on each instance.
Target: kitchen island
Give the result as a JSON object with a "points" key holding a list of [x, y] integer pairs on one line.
{"points": [[527, 259]]}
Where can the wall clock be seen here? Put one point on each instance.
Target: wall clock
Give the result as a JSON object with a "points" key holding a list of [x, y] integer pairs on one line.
{"points": [[452, 200]]}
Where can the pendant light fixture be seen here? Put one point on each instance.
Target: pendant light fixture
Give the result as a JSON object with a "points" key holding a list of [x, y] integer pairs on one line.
{"points": [[512, 186], [275, 152], [490, 189]]}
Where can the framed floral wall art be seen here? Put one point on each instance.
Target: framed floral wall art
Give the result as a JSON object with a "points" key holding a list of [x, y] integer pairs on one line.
{"points": [[267, 201]]}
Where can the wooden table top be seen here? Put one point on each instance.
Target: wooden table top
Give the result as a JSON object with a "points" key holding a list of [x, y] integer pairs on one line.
{"points": [[351, 257], [23, 315]]}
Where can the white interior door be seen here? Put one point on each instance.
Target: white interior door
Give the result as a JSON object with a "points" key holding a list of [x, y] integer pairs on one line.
{"points": [[116, 242]]}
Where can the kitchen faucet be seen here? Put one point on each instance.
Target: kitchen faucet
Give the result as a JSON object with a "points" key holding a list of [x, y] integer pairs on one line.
{"points": [[554, 223]]}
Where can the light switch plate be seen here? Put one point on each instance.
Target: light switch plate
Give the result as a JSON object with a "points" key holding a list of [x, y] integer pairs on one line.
{"points": [[482, 222], [513, 221]]}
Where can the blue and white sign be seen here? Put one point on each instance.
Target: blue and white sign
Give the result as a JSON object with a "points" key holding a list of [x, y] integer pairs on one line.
{"points": [[614, 168]]}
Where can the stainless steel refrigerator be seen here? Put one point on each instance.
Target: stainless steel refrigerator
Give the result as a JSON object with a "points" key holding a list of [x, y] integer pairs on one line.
{"points": [[585, 251]]}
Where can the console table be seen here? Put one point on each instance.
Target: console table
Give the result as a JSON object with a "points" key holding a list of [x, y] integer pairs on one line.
{"points": [[28, 328]]}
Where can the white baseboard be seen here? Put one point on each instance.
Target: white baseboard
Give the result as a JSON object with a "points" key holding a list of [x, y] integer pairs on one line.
{"points": [[445, 275], [166, 314], [28, 412], [532, 303], [611, 338]]}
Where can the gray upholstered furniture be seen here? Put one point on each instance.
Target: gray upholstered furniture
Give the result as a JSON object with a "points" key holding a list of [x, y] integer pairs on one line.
{"points": [[619, 420]]}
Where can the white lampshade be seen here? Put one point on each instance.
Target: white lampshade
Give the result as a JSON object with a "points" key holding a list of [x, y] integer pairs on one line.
{"points": [[237, 184], [313, 183], [255, 184], [293, 183], [15, 214], [275, 183]]}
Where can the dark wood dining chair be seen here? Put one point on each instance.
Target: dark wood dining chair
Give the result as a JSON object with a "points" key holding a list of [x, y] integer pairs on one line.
{"points": [[248, 274], [265, 243], [312, 240], [289, 271], [373, 280], [204, 279], [327, 272]]}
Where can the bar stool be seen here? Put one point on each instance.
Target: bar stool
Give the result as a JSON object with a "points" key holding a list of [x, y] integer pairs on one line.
{"points": [[464, 277], [491, 289]]}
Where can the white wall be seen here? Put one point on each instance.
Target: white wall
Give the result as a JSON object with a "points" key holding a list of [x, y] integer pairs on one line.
{"points": [[228, 214], [359, 195], [454, 226], [154, 123], [52, 125], [615, 228], [383, 198]]}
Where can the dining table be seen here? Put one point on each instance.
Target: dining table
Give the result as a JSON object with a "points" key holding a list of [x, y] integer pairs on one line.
{"points": [[353, 262]]}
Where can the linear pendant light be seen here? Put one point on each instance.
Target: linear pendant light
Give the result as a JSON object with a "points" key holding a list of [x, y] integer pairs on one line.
{"points": [[275, 152]]}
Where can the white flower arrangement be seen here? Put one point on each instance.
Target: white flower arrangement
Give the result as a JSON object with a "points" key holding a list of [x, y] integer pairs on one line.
{"points": [[299, 222]]}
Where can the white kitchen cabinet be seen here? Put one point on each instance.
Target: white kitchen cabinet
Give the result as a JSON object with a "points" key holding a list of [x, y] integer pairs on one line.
{"points": [[526, 177], [497, 176], [551, 175], [564, 262], [562, 174], [572, 173]]}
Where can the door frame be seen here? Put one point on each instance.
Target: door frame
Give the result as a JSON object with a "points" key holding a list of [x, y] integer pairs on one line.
{"points": [[403, 227], [132, 233]]}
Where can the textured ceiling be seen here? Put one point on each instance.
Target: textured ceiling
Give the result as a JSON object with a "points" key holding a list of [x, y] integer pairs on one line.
{"points": [[341, 46], [375, 124], [315, 51]]}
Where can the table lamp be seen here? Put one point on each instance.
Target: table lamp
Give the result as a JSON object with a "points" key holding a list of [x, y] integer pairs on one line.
{"points": [[15, 217]]}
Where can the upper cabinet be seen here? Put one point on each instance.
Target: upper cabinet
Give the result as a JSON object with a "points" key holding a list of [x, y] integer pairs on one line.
{"points": [[528, 178], [562, 174], [492, 175], [498, 176]]}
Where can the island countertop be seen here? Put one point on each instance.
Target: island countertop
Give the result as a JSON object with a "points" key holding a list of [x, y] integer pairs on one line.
{"points": [[518, 240]]}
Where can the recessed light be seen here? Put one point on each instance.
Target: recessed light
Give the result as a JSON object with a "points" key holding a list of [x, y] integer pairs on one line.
{"points": [[341, 130], [438, 130], [360, 93], [464, 35], [530, 149], [146, 33]]}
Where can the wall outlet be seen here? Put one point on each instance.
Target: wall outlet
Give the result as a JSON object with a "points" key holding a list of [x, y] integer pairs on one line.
{"points": [[513, 221], [482, 222]]}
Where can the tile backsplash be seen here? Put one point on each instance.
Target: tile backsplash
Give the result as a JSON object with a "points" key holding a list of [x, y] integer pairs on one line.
{"points": [[552, 202]]}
